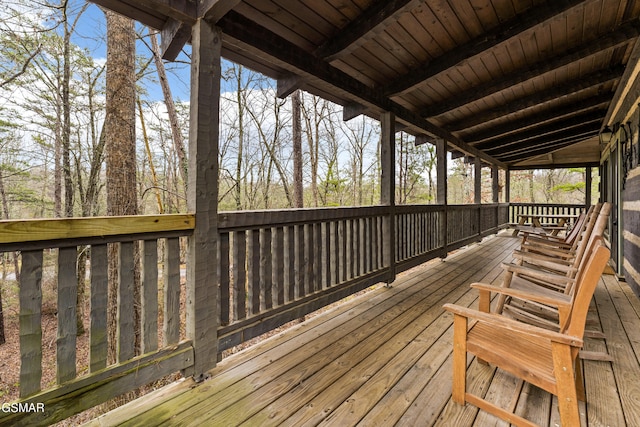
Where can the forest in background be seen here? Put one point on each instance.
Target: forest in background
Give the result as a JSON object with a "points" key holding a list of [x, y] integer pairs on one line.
{"points": [[52, 157]]}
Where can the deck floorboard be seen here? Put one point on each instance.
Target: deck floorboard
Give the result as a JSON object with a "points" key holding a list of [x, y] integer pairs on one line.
{"points": [[384, 359]]}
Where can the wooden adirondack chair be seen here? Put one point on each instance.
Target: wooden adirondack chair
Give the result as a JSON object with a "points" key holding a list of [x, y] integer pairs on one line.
{"points": [[544, 358], [559, 275], [558, 248]]}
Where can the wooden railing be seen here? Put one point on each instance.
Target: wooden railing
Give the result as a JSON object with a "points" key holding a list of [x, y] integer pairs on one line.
{"points": [[516, 209], [55, 245], [277, 266], [274, 267]]}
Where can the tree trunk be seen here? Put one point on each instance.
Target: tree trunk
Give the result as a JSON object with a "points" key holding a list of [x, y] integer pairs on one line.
{"points": [[171, 111], [297, 150], [120, 152]]}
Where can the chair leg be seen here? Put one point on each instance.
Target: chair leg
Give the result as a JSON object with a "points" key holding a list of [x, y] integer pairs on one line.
{"points": [[563, 367], [508, 275], [459, 359], [580, 392]]}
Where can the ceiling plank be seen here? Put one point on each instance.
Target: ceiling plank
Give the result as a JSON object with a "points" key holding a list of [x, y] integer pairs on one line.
{"points": [[546, 140], [545, 129], [591, 80], [597, 102], [503, 32], [373, 20], [540, 150], [275, 47], [620, 36]]}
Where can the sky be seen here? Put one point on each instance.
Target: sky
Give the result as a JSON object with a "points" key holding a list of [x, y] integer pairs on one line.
{"points": [[91, 34]]}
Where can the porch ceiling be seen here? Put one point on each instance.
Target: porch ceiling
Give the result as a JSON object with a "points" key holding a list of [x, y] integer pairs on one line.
{"points": [[516, 82]]}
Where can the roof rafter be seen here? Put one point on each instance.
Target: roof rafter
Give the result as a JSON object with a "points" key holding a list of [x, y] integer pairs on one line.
{"points": [[546, 129], [546, 140], [585, 82], [364, 27], [620, 36], [598, 102], [507, 30]]}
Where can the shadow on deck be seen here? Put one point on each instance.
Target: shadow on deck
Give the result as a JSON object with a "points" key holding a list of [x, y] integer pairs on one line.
{"points": [[385, 359]]}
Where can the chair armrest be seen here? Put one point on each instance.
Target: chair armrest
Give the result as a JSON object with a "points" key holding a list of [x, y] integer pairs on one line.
{"points": [[503, 322]]}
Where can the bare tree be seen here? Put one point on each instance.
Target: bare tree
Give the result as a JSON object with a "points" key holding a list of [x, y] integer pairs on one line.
{"points": [[120, 149]]}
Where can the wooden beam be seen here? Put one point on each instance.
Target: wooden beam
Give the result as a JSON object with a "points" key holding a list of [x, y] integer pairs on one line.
{"points": [[441, 166], [507, 186], [371, 22], [587, 187], [281, 50], [388, 189], [569, 88], [556, 145], [543, 130], [287, 85], [517, 25], [621, 35], [174, 36], [140, 13], [628, 91], [352, 110], [214, 10], [423, 139], [597, 102], [578, 131], [202, 198]]}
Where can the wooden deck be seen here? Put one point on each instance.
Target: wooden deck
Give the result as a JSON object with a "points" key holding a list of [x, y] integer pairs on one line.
{"points": [[385, 359]]}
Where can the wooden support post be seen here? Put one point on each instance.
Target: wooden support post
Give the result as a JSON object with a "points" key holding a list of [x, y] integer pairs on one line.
{"points": [[587, 187], [441, 193], [495, 183], [202, 274], [388, 191], [477, 193], [507, 186], [477, 179]]}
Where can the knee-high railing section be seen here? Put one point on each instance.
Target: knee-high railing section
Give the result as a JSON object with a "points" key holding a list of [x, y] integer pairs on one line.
{"points": [[274, 267], [277, 266], [55, 244]]}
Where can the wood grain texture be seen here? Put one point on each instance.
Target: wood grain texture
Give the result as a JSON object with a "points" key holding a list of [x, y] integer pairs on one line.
{"points": [[30, 323]]}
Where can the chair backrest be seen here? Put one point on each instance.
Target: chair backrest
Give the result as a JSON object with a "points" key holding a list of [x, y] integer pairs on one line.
{"points": [[595, 234], [587, 226], [579, 225], [585, 287]]}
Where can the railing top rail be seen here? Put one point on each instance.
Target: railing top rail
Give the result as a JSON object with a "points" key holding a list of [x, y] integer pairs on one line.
{"points": [[55, 229]]}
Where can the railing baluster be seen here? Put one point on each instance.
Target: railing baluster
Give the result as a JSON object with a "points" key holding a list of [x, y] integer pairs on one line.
{"points": [[317, 259], [171, 324], [266, 270], [277, 246], [149, 296], [67, 326], [253, 270], [239, 275], [99, 285], [308, 258], [299, 257], [126, 308], [225, 283], [289, 263], [30, 322]]}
